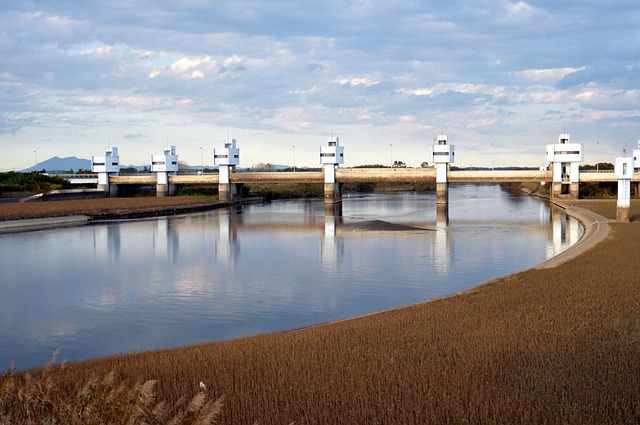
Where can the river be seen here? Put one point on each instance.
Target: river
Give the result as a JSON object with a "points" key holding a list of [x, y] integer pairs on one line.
{"points": [[125, 286]]}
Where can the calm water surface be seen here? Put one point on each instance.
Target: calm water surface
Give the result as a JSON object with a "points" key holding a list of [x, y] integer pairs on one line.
{"points": [[127, 286]]}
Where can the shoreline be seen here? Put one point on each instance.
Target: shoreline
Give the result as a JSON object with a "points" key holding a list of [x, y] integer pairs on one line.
{"points": [[596, 229], [25, 217]]}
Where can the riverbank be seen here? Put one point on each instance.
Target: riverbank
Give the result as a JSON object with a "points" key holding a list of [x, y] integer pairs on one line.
{"points": [[27, 216], [557, 345]]}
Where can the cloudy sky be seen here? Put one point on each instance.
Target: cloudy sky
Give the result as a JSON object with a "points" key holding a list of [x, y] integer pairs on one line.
{"points": [[500, 78]]}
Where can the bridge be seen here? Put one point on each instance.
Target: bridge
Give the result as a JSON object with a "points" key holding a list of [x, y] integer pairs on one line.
{"points": [[350, 175], [563, 172]]}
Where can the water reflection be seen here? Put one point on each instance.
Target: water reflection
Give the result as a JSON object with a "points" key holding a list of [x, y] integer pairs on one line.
{"points": [[331, 247], [441, 241], [227, 247], [257, 268], [564, 231]]}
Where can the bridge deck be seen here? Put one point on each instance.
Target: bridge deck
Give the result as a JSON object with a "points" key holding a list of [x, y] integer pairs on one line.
{"points": [[358, 175]]}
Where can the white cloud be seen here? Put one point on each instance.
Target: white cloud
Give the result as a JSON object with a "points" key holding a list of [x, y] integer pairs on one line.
{"points": [[548, 76], [370, 67]]}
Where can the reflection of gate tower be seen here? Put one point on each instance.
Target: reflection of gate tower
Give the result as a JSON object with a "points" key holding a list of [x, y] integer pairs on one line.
{"points": [[330, 157], [565, 158], [331, 247], [442, 154], [165, 165], [226, 159], [563, 231], [105, 166], [227, 247]]}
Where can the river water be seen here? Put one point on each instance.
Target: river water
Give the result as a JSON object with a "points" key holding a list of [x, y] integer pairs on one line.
{"points": [[146, 284]]}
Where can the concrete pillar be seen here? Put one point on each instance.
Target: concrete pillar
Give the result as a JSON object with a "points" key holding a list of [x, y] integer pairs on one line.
{"points": [[113, 190], [442, 184], [624, 201], [163, 188], [624, 173], [103, 182], [556, 190], [230, 192], [332, 193], [227, 191], [574, 190], [332, 190], [105, 186], [442, 193]]}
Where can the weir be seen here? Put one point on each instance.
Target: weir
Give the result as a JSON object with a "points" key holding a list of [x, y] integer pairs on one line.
{"points": [[562, 172]]}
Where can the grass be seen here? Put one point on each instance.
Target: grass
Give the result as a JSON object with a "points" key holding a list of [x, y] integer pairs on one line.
{"points": [[556, 346]]}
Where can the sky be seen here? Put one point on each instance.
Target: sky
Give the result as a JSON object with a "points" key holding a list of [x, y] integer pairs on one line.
{"points": [[501, 78]]}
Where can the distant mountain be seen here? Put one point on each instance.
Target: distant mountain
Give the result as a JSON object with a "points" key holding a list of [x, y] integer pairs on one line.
{"points": [[57, 164]]}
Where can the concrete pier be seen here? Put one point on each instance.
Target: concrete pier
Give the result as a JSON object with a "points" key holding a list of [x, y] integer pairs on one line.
{"points": [[442, 193], [165, 189], [230, 192], [624, 172], [332, 193], [565, 190]]}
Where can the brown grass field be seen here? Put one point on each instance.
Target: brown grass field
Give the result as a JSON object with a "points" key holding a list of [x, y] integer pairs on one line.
{"points": [[555, 346]]}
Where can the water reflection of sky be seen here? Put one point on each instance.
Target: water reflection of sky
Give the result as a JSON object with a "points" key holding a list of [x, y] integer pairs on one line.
{"points": [[121, 287]]}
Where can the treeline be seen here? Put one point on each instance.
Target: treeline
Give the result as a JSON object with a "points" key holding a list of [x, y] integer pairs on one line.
{"points": [[14, 182]]}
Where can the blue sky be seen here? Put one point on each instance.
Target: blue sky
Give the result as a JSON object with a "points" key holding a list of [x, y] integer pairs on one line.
{"points": [[502, 79]]}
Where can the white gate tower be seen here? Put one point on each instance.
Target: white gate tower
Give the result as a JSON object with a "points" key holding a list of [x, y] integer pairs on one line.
{"points": [[565, 159], [331, 156], [165, 165], [226, 159], [106, 165], [442, 154]]}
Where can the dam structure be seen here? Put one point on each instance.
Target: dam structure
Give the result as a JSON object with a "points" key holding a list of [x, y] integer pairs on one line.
{"points": [[562, 172]]}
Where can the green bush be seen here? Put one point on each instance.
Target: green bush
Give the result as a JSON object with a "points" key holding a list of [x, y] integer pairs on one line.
{"points": [[30, 182]]}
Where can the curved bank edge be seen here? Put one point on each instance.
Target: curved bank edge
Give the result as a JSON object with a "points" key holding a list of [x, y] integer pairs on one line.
{"points": [[27, 225], [596, 228]]}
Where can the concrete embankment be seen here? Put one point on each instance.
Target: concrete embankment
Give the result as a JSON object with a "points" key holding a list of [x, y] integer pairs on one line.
{"points": [[14, 226], [596, 228]]}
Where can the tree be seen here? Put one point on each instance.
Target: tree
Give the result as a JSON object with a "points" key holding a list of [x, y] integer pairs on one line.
{"points": [[262, 167], [128, 170], [183, 167], [399, 164]]}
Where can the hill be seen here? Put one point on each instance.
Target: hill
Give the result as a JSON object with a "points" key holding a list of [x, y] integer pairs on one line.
{"points": [[57, 164]]}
